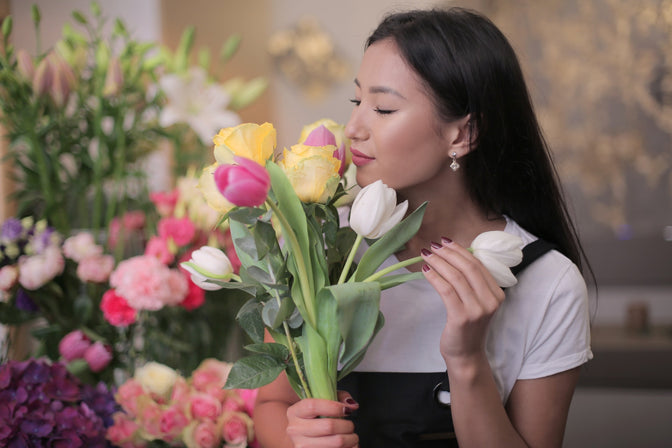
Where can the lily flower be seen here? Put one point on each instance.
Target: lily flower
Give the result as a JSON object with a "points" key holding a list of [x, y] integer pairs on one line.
{"points": [[499, 251], [209, 263]]}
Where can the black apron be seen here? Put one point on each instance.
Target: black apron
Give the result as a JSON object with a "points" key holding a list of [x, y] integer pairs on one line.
{"points": [[410, 410]]}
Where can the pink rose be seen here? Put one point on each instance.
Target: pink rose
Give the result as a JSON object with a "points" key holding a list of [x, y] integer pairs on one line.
{"points": [[116, 309], [81, 246], [8, 277], [127, 396], [165, 201], [181, 230], [158, 247], [37, 270], [249, 397], [149, 416], [236, 428], [173, 421], [181, 391], [204, 406], [233, 403], [98, 356], [201, 435], [195, 296], [95, 268], [134, 220], [73, 345], [211, 374], [147, 284], [123, 430]]}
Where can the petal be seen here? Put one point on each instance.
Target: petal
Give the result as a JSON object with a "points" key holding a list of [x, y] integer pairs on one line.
{"points": [[320, 136], [254, 169], [393, 220], [500, 272]]}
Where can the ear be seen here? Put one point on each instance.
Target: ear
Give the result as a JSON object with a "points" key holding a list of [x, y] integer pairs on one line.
{"points": [[460, 135]]}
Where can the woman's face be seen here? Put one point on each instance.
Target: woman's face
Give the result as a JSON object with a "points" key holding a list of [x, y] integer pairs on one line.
{"points": [[395, 132]]}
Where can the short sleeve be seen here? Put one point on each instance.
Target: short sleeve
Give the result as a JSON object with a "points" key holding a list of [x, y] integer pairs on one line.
{"points": [[562, 337]]}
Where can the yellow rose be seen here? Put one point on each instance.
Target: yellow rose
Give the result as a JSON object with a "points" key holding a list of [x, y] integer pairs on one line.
{"points": [[215, 199], [339, 133], [156, 378], [312, 171], [248, 140]]}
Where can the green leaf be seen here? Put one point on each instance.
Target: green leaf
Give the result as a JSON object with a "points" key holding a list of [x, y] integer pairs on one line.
{"points": [[389, 243], [249, 318], [7, 26], [253, 372], [277, 351], [79, 17], [321, 381], [246, 94], [390, 281], [229, 47], [358, 309], [327, 324], [83, 308], [350, 366]]}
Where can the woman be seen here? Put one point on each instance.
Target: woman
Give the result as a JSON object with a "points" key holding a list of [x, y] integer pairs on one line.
{"points": [[442, 114]]}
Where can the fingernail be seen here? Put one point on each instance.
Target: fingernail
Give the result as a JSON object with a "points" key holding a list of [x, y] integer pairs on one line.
{"points": [[348, 411], [425, 268], [425, 252], [445, 240], [351, 401], [436, 245]]}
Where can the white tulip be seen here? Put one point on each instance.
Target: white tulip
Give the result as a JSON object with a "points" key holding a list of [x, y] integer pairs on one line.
{"points": [[499, 251], [209, 263], [375, 211]]}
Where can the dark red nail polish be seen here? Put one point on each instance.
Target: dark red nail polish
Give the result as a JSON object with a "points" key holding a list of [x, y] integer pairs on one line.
{"points": [[436, 245], [425, 268], [351, 401], [445, 240], [425, 252], [347, 411]]}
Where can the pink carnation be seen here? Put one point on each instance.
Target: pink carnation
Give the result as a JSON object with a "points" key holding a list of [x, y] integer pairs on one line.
{"points": [[158, 247], [81, 246], [116, 309], [95, 268], [98, 356], [195, 296], [37, 270], [134, 220], [181, 230], [165, 201], [73, 345], [147, 284]]}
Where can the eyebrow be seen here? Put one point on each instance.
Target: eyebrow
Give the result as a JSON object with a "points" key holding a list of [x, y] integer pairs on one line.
{"points": [[381, 89]]}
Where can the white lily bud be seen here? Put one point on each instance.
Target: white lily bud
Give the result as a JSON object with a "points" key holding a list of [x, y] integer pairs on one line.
{"points": [[208, 263], [375, 211], [499, 251]]}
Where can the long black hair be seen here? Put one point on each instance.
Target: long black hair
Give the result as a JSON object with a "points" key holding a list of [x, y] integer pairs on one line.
{"points": [[469, 67]]}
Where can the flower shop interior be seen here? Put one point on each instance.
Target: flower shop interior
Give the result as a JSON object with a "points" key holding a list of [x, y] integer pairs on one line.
{"points": [[600, 74]]}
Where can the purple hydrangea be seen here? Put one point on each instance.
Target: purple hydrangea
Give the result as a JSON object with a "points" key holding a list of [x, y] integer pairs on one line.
{"points": [[11, 230], [42, 404], [24, 302]]}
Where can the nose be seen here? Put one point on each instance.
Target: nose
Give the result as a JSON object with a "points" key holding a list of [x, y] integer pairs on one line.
{"points": [[355, 129]]}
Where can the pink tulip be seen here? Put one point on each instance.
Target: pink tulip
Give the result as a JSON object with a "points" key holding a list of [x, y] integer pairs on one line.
{"points": [[320, 136], [73, 345], [98, 356], [245, 184]]}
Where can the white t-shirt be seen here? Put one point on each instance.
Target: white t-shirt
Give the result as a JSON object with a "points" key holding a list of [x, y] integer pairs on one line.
{"points": [[541, 328]]}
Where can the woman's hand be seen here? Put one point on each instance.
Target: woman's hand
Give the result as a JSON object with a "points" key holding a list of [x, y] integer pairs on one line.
{"points": [[471, 297], [318, 423]]}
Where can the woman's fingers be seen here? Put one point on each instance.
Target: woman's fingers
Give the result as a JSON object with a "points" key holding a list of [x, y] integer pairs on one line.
{"points": [[319, 423]]}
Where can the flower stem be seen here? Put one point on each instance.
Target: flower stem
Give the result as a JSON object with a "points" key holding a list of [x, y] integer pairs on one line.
{"points": [[295, 359], [351, 256], [394, 267], [304, 281]]}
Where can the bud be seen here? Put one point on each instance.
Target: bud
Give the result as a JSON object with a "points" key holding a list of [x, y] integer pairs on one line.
{"points": [[113, 79], [25, 65], [64, 80], [44, 77], [7, 25]]}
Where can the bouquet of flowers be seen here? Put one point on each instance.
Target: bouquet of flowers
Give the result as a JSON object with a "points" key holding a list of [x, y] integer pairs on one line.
{"points": [[42, 404], [321, 308], [102, 314], [82, 115], [158, 404]]}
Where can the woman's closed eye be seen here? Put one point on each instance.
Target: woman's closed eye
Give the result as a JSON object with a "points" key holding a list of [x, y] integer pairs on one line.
{"points": [[384, 111], [356, 102]]}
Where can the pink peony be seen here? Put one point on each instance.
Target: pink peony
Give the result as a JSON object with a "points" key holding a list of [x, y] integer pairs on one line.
{"points": [[202, 435], [123, 430], [73, 345], [147, 284], [204, 406], [95, 268], [127, 396], [181, 230], [195, 296], [173, 421], [98, 356], [81, 246], [116, 309], [165, 201], [158, 247], [37, 270], [236, 428], [8, 277]]}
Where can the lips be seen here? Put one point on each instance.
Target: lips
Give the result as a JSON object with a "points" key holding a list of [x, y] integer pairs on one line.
{"points": [[360, 159]]}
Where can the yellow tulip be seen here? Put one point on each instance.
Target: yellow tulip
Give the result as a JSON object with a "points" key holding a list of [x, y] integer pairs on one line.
{"points": [[206, 183], [312, 171], [248, 140]]}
